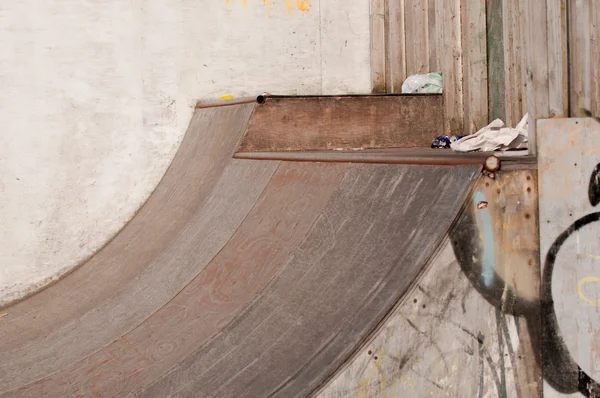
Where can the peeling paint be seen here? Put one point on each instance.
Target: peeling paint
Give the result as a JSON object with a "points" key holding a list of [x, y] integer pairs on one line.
{"points": [[487, 267]]}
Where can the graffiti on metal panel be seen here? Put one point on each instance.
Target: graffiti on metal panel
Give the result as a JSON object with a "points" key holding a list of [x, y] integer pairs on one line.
{"points": [[560, 370]]}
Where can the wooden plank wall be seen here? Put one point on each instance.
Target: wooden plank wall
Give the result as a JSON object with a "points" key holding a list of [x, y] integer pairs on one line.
{"points": [[499, 58]]}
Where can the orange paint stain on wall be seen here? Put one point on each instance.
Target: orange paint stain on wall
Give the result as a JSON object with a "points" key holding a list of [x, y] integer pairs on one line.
{"points": [[289, 7], [303, 5], [268, 4]]}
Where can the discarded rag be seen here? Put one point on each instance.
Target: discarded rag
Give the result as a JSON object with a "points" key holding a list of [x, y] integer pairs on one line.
{"points": [[495, 137]]}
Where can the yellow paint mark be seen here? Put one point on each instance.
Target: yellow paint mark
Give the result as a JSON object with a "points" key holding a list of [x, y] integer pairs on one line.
{"points": [[303, 5], [3, 315], [592, 256], [268, 4], [244, 3], [226, 97], [289, 6], [583, 281]]}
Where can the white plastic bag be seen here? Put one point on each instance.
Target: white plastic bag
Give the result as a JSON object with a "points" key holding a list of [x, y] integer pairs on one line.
{"points": [[495, 137], [430, 83]]}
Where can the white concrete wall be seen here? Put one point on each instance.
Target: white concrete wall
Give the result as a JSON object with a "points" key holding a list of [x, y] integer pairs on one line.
{"points": [[96, 97]]}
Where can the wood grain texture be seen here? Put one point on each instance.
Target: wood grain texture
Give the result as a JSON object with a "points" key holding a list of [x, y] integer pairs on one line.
{"points": [[434, 62], [512, 62], [116, 289], [357, 260], [495, 55], [537, 66], [396, 47], [475, 68], [378, 46], [521, 20], [417, 36], [449, 35], [579, 56], [595, 57], [312, 123], [558, 54]]}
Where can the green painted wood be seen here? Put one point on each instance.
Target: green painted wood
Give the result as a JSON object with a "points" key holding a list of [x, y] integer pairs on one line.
{"points": [[495, 48]]}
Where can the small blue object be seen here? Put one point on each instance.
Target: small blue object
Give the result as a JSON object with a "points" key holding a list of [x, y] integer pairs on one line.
{"points": [[443, 141]]}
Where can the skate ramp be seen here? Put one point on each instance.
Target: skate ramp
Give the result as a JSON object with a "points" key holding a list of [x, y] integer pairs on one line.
{"points": [[238, 277]]}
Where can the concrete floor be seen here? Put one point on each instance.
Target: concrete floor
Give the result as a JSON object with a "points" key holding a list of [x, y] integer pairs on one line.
{"points": [[96, 98]]}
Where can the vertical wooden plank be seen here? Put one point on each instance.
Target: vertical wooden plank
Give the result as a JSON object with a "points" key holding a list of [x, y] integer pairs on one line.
{"points": [[537, 66], [579, 14], [495, 49], [510, 101], [521, 21], [514, 61], [516, 76], [450, 57], [378, 46], [438, 10], [595, 56], [434, 65], [396, 46], [417, 37], [558, 79], [475, 78]]}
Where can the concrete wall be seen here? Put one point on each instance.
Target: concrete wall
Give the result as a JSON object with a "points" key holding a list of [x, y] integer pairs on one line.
{"points": [[96, 97]]}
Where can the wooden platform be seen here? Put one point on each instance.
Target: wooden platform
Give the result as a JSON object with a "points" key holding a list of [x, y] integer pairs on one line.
{"points": [[344, 122]]}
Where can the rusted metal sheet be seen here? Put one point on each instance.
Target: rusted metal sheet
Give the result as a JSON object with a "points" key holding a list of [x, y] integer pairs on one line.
{"points": [[470, 326], [569, 154], [374, 236], [313, 123]]}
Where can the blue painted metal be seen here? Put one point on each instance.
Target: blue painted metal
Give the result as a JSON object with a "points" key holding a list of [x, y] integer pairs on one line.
{"points": [[487, 266]]}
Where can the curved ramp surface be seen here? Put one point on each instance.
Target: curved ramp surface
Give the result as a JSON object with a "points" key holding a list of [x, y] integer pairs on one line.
{"points": [[237, 278]]}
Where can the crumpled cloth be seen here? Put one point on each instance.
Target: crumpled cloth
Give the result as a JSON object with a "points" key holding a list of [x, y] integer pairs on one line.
{"points": [[495, 137]]}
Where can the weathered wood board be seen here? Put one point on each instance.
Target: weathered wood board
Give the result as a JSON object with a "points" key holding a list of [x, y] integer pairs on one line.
{"points": [[312, 123], [569, 154]]}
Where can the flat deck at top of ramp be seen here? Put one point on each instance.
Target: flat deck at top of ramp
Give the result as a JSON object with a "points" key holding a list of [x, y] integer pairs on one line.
{"points": [[236, 278]]}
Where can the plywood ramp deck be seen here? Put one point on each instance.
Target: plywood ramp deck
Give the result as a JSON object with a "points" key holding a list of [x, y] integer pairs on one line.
{"points": [[237, 278]]}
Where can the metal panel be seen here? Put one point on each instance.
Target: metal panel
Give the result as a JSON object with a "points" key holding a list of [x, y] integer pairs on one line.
{"points": [[569, 152]]}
